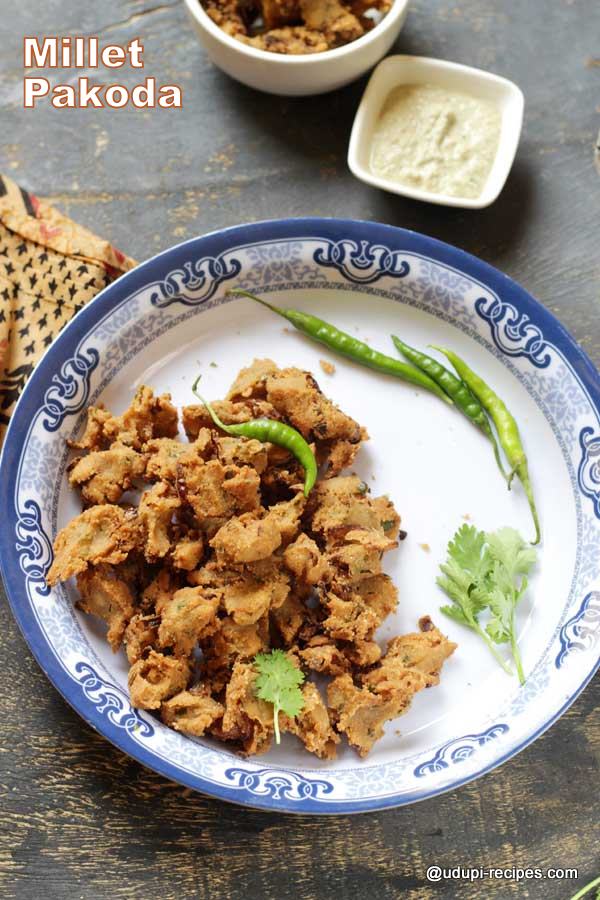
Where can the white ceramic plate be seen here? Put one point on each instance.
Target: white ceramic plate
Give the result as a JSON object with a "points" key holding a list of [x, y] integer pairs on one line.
{"points": [[168, 320]]}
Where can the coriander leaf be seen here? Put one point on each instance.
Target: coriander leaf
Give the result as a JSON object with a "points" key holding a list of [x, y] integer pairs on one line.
{"points": [[456, 586], [292, 700], [522, 587], [457, 592], [462, 580], [506, 546], [456, 613], [462, 611], [497, 631], [501, 606], [486, 573], [501, 580], [278, 682], [459, 586], [468, 551]]}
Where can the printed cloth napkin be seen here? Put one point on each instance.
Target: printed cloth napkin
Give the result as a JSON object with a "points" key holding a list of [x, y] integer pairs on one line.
{"points": [[50, 267]]}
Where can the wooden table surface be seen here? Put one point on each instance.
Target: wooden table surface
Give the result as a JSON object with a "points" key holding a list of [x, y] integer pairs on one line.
{"points": [[79, 819]]}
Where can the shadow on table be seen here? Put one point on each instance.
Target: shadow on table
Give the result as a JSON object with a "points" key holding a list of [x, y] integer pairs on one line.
{"points": [[488, 233], [313, 132], [307, 127]]}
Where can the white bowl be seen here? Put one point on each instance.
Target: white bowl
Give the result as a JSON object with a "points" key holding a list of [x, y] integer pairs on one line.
{"points": [[398, 70], [314, 73]]}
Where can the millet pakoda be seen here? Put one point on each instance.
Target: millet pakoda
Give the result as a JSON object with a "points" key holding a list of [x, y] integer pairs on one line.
{"points": [[221, 557]]}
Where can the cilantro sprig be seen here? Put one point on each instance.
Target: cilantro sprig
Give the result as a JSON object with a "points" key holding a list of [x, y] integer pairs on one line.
{"points": [[486, 573], [278, 682]]}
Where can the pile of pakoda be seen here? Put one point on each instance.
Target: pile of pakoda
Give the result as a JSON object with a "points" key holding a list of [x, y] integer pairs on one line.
{"points": [[296, 26], [200, 554]]}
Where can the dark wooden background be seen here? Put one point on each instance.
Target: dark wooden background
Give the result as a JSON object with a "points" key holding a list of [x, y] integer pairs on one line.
{"points": [[77, 818]]}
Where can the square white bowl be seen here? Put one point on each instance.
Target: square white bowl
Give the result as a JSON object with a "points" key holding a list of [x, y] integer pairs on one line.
{"points": [[398, 70]]}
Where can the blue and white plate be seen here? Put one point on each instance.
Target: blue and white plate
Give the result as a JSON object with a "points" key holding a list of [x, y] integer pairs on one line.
{"points": [[170, 319]]}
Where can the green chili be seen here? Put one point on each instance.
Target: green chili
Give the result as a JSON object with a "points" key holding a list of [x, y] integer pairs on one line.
{"points": [[506, 426], [349, 346], [457, 390], [274, 432]]}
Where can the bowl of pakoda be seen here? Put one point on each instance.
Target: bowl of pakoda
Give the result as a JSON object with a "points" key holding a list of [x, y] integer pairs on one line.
{"points": [[297, 47]]}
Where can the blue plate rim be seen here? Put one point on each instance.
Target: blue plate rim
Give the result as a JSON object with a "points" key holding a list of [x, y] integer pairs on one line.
{"points": [[138, 278]]}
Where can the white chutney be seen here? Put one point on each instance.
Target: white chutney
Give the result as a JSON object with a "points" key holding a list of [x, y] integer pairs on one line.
{"points": [[436, 140]]}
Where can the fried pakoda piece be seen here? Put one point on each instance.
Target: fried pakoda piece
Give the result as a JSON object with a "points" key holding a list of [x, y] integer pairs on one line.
{"points": [[247, 720], [295, 39], [370, 539], [349, 522], [295, 27], [298, 399], [104, 475], [304, 559], [156, 510], [246, 538], [141, 633], [342, 502], [353, 563], [157, 677], [256, 535], [94, 437], [234, 451], [284, 475], [349, 620], [288, 618], [361, 712], [226, 14], [191, 712], [188, 551], [328, 657], [215, 491], [389, 520], [331, 19], [242, 484], [196, 417], [233, 641], [160, 590], [102, 593], [338, 455], [295, 394], [213, 575], [165, 457], [147, 417], [426, 650], [362, 654], [258, 589], [101, 534], [313, 725], [380, 594], [250, 383], [276, 13], [229, 643], [286, 516], [187, 617], [322, 655], [386, 691]]}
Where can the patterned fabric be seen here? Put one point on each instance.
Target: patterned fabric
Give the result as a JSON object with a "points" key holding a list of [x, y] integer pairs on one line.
{"points": [[50, 267]]}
